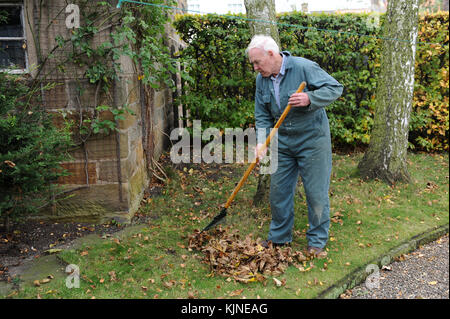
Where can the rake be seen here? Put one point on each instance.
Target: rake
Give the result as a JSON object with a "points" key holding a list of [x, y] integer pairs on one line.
{"points": [[223, 212]]}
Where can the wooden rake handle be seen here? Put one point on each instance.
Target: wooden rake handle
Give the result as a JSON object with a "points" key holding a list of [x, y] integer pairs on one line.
{"points": [[266, 144]]}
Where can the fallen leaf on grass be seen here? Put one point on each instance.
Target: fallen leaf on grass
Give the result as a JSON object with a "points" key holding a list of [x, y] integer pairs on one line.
{"points": [[181, 245], [112, 275], [236, 292], [51, 292], [169, 284], [191, 295], [277, 282], [432, 283], [53, 251]]}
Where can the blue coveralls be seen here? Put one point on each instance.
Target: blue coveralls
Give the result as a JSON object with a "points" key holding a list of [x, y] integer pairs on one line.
{"points": [[304, 147]]}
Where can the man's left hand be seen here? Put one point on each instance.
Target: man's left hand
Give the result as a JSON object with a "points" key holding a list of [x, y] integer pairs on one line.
{"points": [[299, 100]]}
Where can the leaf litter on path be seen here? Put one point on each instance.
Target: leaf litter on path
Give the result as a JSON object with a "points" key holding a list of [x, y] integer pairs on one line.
{"points": [[245, 260]]}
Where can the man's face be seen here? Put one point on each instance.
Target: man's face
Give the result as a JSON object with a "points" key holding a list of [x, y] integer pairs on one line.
{"points": [[262, 61]]}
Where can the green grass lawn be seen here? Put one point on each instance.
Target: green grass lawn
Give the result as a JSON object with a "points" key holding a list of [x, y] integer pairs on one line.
{"points": [[368, 219]]}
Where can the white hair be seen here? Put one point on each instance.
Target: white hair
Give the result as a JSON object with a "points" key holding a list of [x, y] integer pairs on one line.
{"points": [[263, 42]]}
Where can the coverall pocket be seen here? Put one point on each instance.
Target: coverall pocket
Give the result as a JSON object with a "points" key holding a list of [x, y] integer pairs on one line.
{"points": [[268, 105], [319, 122]]}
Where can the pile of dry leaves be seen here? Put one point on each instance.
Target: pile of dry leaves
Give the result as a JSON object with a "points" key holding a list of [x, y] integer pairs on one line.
{"points": [[244, 260]]}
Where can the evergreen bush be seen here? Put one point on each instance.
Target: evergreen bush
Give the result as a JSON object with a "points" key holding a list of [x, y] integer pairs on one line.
{"points": [[31, 149]]}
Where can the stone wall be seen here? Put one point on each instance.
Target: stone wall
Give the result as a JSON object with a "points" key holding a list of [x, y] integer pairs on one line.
{"points": [[109, 172]]}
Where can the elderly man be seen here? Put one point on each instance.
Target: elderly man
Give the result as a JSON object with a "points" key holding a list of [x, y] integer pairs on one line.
{"points": [[304, 144]]}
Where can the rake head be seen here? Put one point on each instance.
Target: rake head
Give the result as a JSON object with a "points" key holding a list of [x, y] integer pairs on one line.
{"points": [[217, 220]]}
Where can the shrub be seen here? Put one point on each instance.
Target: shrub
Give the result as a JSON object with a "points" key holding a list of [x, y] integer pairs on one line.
{"points": [[31, 149], [429, 119]]}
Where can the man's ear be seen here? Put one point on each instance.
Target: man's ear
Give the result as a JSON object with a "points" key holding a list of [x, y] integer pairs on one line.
{"points": [[270, 53]]}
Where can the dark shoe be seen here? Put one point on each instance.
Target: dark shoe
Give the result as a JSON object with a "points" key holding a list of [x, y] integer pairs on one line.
{"points": [[268, 243], [316, 252]]}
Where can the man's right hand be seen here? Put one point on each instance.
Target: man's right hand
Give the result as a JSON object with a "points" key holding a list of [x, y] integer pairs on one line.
{"points": [[299, 100], [260, 151]]}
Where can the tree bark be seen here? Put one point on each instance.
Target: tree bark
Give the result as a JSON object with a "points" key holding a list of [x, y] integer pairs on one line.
{"points": [[263, 18], [385, 158], [263, 21]]}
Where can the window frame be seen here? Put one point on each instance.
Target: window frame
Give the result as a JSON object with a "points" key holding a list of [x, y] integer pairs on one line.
{"points": [[23, 38]]}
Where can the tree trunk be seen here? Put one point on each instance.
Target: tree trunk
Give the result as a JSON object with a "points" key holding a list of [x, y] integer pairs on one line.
{"points": [[385, 158], [263, 16]]}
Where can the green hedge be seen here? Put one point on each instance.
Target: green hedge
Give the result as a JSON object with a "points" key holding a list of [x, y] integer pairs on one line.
{"points": [[429, 119], [221, 88]]}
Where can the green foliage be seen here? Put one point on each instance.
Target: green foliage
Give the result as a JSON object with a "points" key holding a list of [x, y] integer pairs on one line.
{"points": [[345, 45], [100, 62], [146, 25], [429, 119], [137, 34], [31, 149], [221, 86], [349, 58]]}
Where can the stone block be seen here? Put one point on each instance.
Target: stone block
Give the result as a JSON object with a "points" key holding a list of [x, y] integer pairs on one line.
{"points": [[136, 186], [120, 91], [126, 65], [103, 147], [159, 99], [92, 204], [84, 94], [134, 136], [133, 90], [107, 171], [139, 152], [56, 97], [129, 119], [78, 173]]}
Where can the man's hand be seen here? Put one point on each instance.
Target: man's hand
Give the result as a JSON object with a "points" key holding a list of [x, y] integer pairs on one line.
{"points": [[260, 151], [299, 100]]}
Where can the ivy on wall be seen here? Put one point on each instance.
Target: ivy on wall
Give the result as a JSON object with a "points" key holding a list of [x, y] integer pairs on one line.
{"points": [[32, 151]]}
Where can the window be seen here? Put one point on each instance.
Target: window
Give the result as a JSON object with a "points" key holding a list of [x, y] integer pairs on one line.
{"points": [[194, 7], [12, 39], [235, 7]]}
